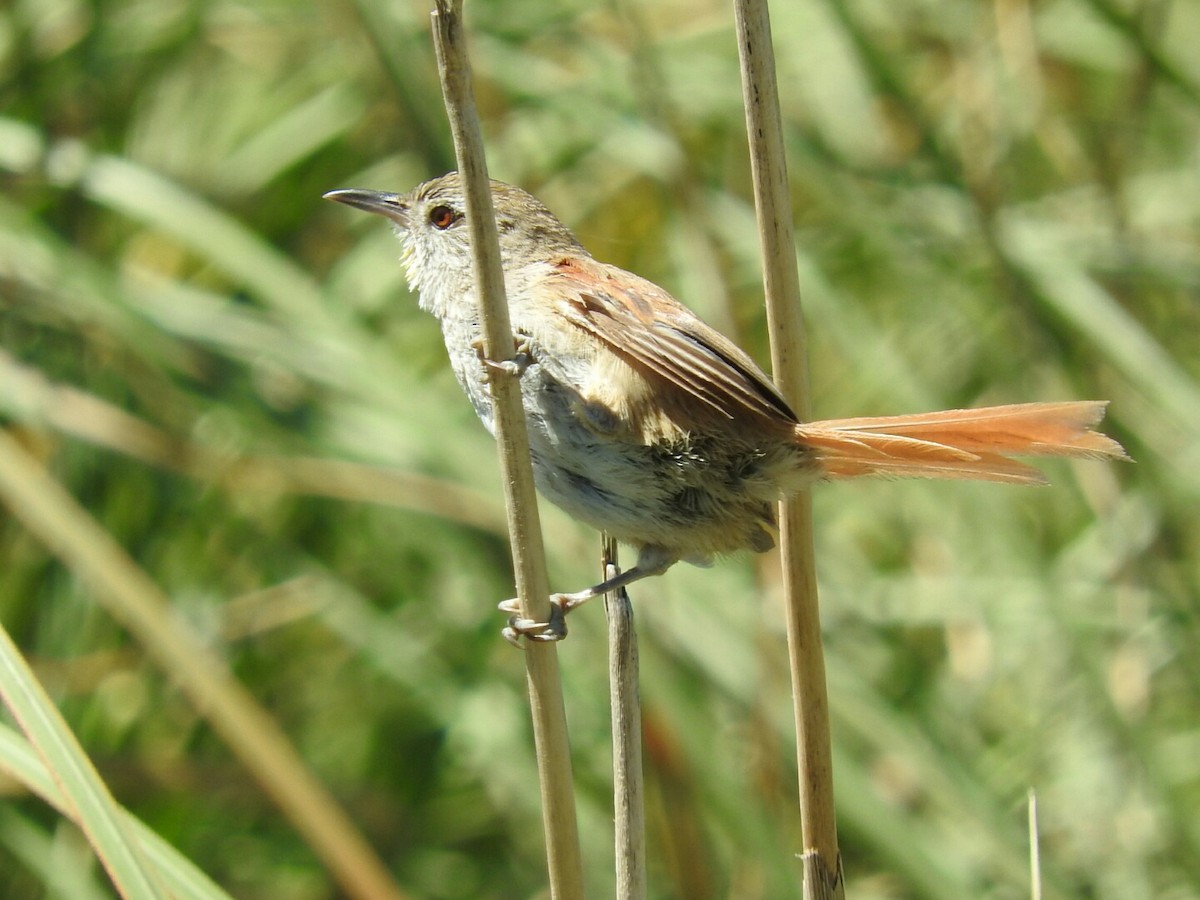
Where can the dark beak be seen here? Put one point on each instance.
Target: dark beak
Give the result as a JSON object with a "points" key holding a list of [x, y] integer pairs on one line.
{"points": [[390, 205]]}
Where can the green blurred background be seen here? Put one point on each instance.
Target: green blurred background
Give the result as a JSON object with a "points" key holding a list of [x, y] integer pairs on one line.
{"points": [[995, 202]]}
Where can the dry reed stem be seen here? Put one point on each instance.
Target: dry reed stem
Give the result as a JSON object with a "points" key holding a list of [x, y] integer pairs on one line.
{"points": [[822, 861], [629, 801], [1035, 850], [541, 659]]}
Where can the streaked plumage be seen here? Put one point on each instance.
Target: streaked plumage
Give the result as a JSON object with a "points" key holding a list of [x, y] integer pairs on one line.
{"points": [[651, 426]]}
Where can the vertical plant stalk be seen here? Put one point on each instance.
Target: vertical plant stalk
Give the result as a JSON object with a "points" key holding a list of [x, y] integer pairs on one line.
{"points": [[629, 801], [524, 528], [789, 361], [1035, 851]]}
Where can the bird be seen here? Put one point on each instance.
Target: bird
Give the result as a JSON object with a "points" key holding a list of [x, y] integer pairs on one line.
{"points": [[651, 426]]}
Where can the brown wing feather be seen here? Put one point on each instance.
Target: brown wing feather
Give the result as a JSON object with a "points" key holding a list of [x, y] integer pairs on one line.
{"points": [[659, 336]]}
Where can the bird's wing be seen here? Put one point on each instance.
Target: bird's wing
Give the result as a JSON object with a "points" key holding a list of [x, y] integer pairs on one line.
{"points": [[668, 343]]}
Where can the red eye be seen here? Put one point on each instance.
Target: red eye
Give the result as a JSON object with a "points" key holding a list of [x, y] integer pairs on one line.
{"points": [[441, 217]]}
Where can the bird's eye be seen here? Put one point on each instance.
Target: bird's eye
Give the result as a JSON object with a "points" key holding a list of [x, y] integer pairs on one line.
{"points": [[441, 217]]}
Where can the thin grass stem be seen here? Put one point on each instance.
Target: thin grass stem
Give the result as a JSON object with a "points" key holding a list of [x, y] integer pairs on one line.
{"points": [[822, 861], [541, 659], [629, 800], [1035, 850]]}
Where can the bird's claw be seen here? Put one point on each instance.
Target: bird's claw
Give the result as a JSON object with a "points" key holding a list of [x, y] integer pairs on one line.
{"points": [[521, 359], [521, 627]]}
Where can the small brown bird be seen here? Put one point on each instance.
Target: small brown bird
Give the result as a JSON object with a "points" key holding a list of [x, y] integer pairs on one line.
{"points": [[649, 425]]}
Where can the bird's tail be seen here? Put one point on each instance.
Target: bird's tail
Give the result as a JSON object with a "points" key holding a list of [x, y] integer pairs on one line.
{"points": [[961, 443]]}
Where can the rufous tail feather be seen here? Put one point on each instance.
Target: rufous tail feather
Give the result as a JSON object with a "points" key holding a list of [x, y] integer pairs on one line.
{"points": [[961, 443]]}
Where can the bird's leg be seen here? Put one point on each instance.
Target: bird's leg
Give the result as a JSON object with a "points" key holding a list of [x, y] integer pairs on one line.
{"points": [[651, 560], [521, 359]]}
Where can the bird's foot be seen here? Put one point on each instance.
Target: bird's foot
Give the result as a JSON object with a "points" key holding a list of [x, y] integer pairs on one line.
{"points": [[516, 365], [553, 630]]}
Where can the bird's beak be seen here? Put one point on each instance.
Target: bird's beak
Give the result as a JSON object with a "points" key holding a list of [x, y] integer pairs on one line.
{"points": [[392, 206]]}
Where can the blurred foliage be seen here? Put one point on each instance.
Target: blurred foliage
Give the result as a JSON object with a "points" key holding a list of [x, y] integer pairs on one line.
{"points": [[995, 202]]}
